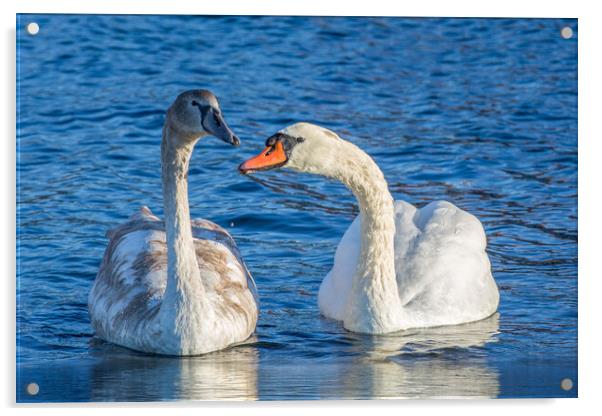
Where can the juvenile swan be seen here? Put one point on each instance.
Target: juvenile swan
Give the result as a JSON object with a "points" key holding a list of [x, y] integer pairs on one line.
{"points": [[175, 288], [396, 267]]}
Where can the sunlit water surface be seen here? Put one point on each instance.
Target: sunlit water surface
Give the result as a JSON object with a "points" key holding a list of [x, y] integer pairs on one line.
{"points": [[480, 112]]}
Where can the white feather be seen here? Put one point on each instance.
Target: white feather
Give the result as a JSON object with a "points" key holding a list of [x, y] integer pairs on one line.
{"points": [[405, 267]]}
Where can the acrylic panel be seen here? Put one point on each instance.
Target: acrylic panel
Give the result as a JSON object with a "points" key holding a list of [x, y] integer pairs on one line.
{"points": [[479, 112]]}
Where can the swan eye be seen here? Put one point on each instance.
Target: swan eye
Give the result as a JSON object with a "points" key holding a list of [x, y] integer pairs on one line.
{"points": [[300, 139], [216, 119], [194, 103]]}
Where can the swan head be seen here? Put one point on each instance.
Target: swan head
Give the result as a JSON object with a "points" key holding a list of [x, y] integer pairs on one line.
{"points": [[195, 114], [303, 147]]}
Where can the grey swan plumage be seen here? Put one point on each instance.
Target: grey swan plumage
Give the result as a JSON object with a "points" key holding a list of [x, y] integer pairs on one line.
{"points": [[178, 287]]}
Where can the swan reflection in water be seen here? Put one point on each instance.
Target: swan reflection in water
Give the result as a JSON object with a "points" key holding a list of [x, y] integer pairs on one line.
{"points": [[229, 374], [433, 362]]}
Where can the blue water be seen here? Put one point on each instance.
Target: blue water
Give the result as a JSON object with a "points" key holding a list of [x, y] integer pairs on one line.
{"points": [[480, 112]]}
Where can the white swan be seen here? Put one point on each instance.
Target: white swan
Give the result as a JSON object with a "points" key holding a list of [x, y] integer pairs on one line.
{"points": [[175, 288], [396, 267]]}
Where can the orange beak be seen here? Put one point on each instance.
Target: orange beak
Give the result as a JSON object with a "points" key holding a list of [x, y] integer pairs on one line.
{"points": [[271, 157]]}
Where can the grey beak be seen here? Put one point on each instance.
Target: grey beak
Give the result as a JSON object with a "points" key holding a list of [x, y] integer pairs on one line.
{"points": [[214, 124]]}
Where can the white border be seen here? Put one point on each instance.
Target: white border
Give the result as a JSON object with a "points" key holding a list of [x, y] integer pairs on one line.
{"points": [[516, 8], [590, 175]]}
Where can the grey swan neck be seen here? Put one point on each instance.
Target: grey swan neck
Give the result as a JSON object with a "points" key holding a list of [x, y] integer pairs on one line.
{"points": [[184, 285]]}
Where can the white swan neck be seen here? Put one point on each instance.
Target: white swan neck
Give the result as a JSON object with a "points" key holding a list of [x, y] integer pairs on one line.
{"points": [[374, 305], [183, 276]]}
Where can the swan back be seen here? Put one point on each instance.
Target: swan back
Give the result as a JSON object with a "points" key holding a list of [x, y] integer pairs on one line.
{"points": [[442, 269], [125, 301]]}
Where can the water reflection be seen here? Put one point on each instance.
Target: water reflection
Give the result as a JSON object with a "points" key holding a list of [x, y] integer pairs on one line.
{"points": [[436, 362], [112, 373], [225, 375]]}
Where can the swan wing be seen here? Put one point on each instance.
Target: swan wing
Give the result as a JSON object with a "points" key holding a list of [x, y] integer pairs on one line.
{"points": [[443, 271], [336, 286], [205, 230], [131, 281]]}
